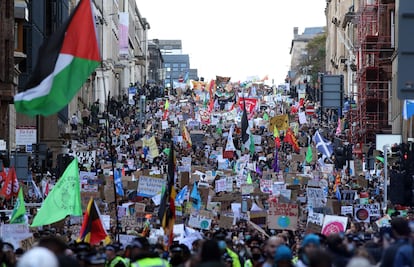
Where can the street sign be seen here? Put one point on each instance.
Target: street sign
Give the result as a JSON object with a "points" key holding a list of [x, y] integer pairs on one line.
{"points": [[310, 110]]}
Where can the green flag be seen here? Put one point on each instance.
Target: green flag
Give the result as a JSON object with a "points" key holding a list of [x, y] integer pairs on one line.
{"points": [[19, 210], [63, 200], [309, 155], [252, 147], [265, 116], [249, 179]]}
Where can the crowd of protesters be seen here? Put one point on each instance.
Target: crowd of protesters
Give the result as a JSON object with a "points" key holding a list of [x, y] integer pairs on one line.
{"points": [[362, 244]]}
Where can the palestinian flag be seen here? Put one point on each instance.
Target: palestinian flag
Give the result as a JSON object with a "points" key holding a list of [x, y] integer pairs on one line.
{"points": [[92, 230], [64, 63]]}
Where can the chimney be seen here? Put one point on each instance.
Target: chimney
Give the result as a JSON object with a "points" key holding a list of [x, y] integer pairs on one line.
{"points": [[295, 32]]}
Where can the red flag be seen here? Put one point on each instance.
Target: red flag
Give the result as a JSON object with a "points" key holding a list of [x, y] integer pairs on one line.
{"points": [[7, 189], [290, 138], [92, 230], [16, 186], [47, 189]]}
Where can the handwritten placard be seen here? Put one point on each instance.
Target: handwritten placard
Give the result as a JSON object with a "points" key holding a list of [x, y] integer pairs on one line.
{"points": [[149, 186], [282, 216]]}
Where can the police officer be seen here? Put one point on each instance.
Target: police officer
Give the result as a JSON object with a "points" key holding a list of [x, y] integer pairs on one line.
{"points": [[112, 259], [141, 256]]}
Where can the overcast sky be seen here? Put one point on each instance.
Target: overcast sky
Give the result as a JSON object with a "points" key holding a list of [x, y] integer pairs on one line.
{"points": [[236, 38]]}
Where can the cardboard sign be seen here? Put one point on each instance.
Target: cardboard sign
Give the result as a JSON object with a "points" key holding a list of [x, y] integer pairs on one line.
{"points": [[198, 222], [258, 217], [247, 189], [334, 224], [282, 216], [149, 186], [226, 222], [316, 197]]}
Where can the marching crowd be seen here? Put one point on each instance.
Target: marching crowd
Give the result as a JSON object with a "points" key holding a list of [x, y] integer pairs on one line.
{"points": [[362, 244]]}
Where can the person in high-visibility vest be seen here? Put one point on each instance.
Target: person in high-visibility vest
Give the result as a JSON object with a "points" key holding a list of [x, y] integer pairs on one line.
{"points": [[112, 259], [141, 256]]}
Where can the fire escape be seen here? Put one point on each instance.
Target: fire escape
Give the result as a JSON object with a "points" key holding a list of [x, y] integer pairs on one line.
{"points": [[373, 77]]}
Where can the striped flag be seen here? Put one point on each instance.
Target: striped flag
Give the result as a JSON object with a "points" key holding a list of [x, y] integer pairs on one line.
{"points": [[65, 62], [92, 230]]}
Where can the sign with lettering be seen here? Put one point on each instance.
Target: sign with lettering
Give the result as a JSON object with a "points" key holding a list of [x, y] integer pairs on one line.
{"points": [[149, 186], [345, 210], [282, 216], [316, 218], [198, 222], [364, 212], [85, 157], [26, 136], [316, 197]]}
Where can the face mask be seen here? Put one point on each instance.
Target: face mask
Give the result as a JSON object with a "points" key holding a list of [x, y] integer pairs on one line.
{"points": [[256, 257]]}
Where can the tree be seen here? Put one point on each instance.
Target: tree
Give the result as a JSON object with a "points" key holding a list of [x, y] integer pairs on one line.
{"points": [[314, 62]]}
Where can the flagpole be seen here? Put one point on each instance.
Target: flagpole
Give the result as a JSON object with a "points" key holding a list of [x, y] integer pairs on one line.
{"points": [[111, 156]]}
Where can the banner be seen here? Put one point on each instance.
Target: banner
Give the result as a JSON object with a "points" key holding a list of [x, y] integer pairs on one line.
{"points": [[334, 224], [149, 186], [282, 216], [250, 104], [123, 33]]}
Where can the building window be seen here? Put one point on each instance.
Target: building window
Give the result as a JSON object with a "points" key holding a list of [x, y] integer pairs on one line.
{"points": [[183, 65], [175, 65], [167, 65]]}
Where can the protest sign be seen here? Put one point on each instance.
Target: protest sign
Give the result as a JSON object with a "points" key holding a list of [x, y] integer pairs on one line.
{"points": [[258, 217], [334, 224], [198, 222], [149, 186], [315, 197], [345, 210], [247, 189], [364, 212], [316, 218], [282, 216], [226, 222], [85, 157], [266, 186]]}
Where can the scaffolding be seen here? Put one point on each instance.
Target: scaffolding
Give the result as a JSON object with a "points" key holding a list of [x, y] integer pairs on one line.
{"points": [[373, 78]]}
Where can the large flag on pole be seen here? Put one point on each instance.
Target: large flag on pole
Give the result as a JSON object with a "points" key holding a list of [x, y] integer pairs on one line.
{"points": [[11, 185], [64, 63], [247, 137], [166, 212], [19, 210], [63, 200], [230, 144], [323, 146], [92, 230]]}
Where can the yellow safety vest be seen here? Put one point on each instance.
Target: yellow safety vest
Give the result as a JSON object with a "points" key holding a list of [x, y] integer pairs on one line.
{"points": [[248, 263], [150, 262], [234, 256], [115, 261]]}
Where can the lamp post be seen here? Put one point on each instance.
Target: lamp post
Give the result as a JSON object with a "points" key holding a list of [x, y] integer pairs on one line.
{"points": [[385, 148]]}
